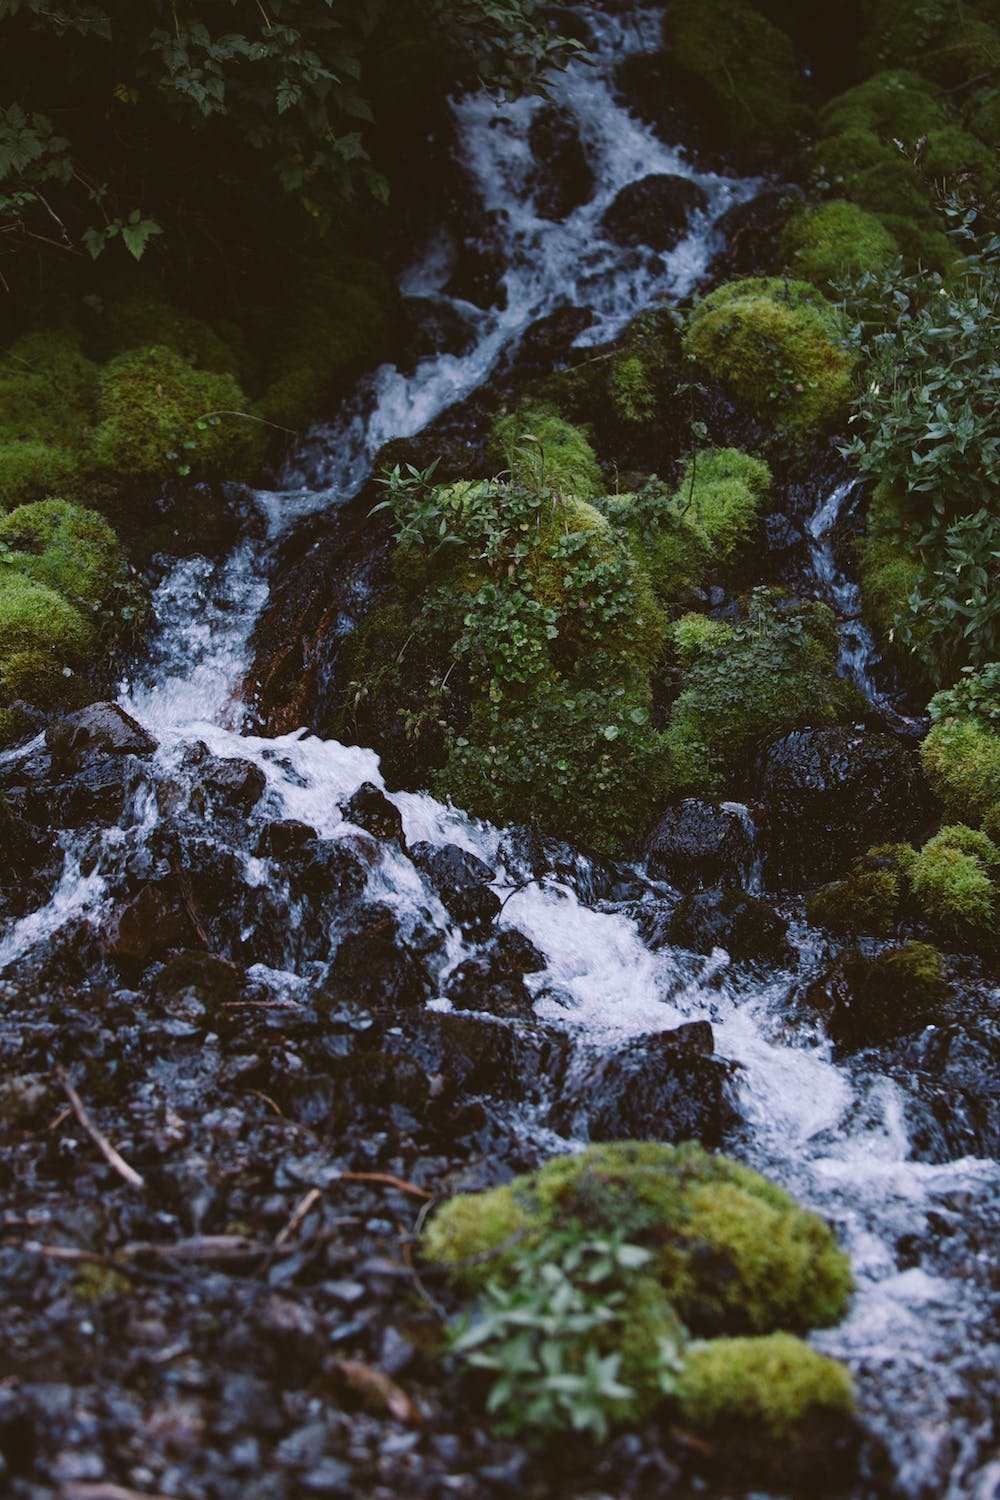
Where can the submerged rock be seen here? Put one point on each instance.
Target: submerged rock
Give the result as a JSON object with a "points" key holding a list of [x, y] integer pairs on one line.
{"points": [[461, 882]]}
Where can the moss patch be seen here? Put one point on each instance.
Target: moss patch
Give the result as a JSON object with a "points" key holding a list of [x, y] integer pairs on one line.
{"points": [[775, 1383], [537, 446], [954, 888], [962, 760], [863, 903], [777, 344], [837, 240], [72, 550]]}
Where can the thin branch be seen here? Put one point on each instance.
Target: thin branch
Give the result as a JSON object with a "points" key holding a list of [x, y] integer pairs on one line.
{"points": [[302, 1211], [104, 1146], [387, 1179]]}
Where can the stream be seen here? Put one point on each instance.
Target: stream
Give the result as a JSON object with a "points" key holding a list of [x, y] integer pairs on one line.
{"points": [[922, 1336]]}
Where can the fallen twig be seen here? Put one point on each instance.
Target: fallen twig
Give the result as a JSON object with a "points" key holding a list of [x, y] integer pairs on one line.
{"points": [[104, 1146], [387, 1179], [301, 1212], [77, 1490]]}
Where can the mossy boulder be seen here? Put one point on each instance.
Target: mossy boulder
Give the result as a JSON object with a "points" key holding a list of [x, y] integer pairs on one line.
{"points": [[48, 390], [733, 1252], [694, 636], [740, 67], [777, 1384], [961, 757], [901, 990], [30, 469], [775, 670], [160, 418], [948, 44], [71, 550], [779, 345], [147, 318], [867, 902], [834, 241], [888, 570], [44, 641], [954, 887], [536, 445]]}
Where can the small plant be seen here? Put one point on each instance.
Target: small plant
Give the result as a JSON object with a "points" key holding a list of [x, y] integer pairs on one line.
{"points": [[547, 1336]]}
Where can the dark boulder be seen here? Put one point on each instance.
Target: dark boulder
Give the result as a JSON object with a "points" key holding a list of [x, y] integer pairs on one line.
{"points": [[371, 810], [698, 843], [831, 793], [154, 920], [474, 1056], [867, 1000], [461, 883], [431, 326], [94, 732], [286, 836], [479, 272], [657, 1088], [562, 178], [654, 211], [493, 979], [374, 966], [753, 235], [97, 793], [746, 927]]}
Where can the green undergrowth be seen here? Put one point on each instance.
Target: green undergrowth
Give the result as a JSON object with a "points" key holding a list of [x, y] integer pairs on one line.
{"points": [[592, 1274]]}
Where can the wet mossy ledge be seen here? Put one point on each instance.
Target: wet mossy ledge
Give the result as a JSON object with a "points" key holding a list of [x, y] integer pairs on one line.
{"points": [[711, 1274]]}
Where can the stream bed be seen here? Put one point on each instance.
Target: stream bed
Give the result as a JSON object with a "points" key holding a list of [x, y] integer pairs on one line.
{"points": [[854, 1137]]}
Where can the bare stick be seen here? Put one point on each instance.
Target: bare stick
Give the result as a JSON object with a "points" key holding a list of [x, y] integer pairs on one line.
{"points": [[387, 1179], [301, 1212], [104, 1146], [76, 1490]]}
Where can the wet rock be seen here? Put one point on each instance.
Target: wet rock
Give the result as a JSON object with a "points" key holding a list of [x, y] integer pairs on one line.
{"points": [[151, 922], [371, 810], [654, 211], [471, 1056], [753, 235], [30, 863], [431, 326], [213, 981], [657, 1088], [952, 1075], [374, 967], [650, 86], [367, 1086], [562, 178], [97, 793], [284, 837], [461, 882], [830, 793], [699, 843], [478, 273], [100, 730], [229, 781], [477, 984], [743, 925], [528, 857], [866, 1000], [330, 872]]}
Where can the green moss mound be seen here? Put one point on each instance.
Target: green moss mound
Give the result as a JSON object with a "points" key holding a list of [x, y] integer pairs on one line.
{"points": [[48, 390], [537, 446], [742, 66], [954, 889], [837, 240], [160, 418], [30, 469], [694, 635], [34, 618], [903, 988], [888, 571], [145, 318], [863, 903], [949, 44], [71, 550], [776, 671], [733, 1252], [777, 344], [776, 1384], [961, 758]]}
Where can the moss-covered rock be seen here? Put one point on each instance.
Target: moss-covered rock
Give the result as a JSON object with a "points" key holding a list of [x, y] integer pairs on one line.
{"points": [[834, 241], [888, 570], [146, 318], [954, 888], [733, 1252], [537, 446], [901, 990], [30, 469], [694, 635], [160, 418], [776, 671], [48, 390], [946, 43], [71, 550], [863, 903], [779, 346], [742, 66], [776, 1383], [961, 758], [44, 639]]}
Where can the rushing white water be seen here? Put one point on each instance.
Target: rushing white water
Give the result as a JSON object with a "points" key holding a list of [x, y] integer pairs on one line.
{"points": [[917, 1338]]}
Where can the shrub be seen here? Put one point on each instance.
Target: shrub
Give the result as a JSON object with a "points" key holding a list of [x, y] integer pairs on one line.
{"points": [[826, 244], [775, 1383], [780, 347]]}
